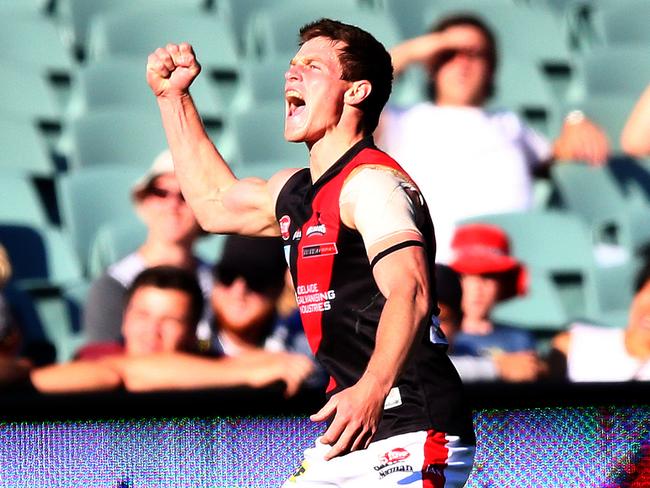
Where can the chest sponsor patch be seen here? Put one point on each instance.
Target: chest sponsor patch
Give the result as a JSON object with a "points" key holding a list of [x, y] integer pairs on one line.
{"points": [[317, 250]]}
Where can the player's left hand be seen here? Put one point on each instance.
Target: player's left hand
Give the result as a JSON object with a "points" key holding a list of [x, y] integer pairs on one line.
{"points": [[357, 411]]}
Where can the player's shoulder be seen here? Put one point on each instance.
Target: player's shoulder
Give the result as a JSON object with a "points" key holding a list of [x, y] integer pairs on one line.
{"points": [[278, 180]]}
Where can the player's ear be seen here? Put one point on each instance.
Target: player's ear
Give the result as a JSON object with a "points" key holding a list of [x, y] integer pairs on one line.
{"points": [[358, 92]]}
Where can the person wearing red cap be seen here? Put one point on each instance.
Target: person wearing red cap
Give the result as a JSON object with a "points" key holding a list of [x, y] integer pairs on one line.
{"points": [[489, 274]]}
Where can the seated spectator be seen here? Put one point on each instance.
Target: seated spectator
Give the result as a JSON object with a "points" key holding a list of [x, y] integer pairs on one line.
{"points": [[635, 139], [504, 366], [13, 369], [249, 280], [163, 308], [171, 232], [488, 275], [596, 353], [466, 159]]}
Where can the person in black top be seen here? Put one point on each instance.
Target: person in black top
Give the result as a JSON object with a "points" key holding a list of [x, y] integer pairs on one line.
{"points": [[360, 245]]}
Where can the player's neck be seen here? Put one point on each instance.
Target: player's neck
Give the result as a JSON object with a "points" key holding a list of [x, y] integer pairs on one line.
{"points": [[329, 149]]}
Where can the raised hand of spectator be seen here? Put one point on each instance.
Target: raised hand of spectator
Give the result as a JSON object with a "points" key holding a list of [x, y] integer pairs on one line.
{"points": [[172, 69], [582, 140], [424, 49], [517, 366]]}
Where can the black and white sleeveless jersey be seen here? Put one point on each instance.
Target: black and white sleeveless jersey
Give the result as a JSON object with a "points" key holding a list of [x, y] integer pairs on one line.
{"points": [[340, 303]]}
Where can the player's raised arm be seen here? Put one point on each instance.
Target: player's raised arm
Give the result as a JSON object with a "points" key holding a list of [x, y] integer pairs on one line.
{"points": [[221, 202]]}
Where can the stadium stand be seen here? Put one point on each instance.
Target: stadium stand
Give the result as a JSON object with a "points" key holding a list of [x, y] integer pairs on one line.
{"points": [[91, 196], [76, 16], [115, 136], [76, 67], [24, 148]]}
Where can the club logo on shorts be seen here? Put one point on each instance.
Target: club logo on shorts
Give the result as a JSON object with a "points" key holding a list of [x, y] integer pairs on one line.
{"points": [[285, 222], [393, 462], [397, 454]]}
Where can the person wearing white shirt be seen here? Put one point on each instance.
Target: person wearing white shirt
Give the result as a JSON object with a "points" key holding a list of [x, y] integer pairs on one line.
{"points": [[468, 160]]}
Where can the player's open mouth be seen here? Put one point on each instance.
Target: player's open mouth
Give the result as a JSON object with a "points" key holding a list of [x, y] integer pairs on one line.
{"points": [[295, 103]]}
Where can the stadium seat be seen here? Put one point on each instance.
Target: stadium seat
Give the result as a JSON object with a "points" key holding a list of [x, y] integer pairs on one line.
{"points": [[274, 32], [25, 94], [593, 194], [115, 136], [120, 83], [522, 87], [256, 136], [114, 240], [239, 13], [35, 43], [40, 257], [30, 7], [137, 34], [77, 15], [24, 149], [209, 247], [20, 200], [633, 177], [91, 196], [621, 71], [410, 21], [623, 22], [260, 81]]}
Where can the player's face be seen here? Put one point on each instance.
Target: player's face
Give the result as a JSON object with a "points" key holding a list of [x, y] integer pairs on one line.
{"points": [[157, 320], [313, 91], [462, 78], [167, 216], [639, 322], [480, 294]]}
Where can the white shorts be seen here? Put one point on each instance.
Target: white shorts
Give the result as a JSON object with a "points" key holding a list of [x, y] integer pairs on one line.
{"points": [[424, 459]]}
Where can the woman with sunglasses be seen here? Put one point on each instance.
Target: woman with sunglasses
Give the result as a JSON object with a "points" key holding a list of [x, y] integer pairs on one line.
{"points": [[171, 232]]}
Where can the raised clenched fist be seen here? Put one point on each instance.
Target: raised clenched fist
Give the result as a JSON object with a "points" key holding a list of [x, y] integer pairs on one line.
{"points": [[171, 70]]}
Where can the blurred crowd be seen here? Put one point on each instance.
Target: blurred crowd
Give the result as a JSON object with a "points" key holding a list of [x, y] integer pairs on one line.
{"points": [[163, 318]]}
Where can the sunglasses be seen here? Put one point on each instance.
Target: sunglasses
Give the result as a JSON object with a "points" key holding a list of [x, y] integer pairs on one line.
{"points": [[472, 54], [255, 283], [163, 194]]}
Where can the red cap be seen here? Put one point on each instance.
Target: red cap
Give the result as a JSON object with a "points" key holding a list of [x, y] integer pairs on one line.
{"points": [[484, 249]]}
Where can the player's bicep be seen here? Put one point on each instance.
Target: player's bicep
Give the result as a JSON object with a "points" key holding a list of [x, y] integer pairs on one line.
{"points": [[404, 269], [249, 205]]}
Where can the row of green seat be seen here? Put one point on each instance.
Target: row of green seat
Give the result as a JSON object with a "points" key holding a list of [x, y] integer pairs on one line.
{"points": [[112, 103]]}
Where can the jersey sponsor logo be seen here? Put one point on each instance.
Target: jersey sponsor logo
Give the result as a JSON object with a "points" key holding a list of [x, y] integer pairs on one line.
{"points": [[310, 299], [285, 222], [316, 230], [317, 250]]}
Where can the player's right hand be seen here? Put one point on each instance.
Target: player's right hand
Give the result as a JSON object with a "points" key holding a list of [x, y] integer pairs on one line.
{"points": [[172, 69]]}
